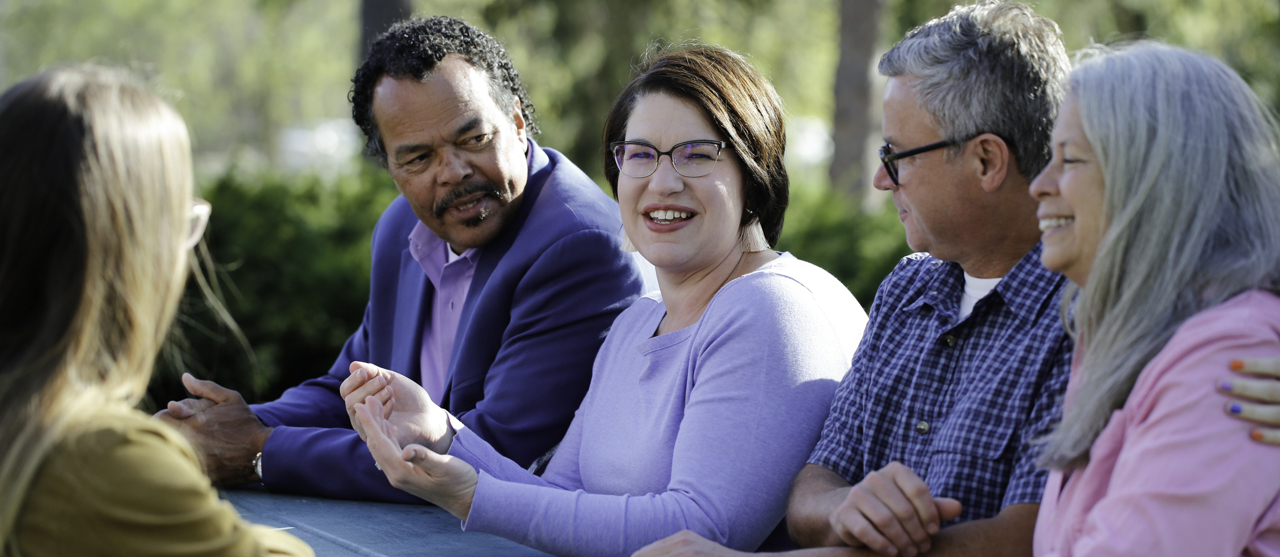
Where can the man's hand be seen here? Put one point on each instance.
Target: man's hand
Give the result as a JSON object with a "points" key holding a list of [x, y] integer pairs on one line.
{"points": [[412, 417], [221, 427], [892, 513]]}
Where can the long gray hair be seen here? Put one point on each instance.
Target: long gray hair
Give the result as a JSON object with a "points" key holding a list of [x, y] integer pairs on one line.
{"points": [[1192, 204]]}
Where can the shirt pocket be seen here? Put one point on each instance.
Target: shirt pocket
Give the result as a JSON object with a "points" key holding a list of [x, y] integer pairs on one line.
{"points": [[971, 459]]}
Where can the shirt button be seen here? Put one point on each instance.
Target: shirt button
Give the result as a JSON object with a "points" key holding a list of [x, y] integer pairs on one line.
{"points": [[949, 340], [922, 427]]}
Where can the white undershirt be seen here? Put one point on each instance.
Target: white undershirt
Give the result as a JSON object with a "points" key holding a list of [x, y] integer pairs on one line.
{"points": [[975, 289]]}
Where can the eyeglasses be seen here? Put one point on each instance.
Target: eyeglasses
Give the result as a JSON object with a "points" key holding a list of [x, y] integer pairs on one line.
{"points": [[691, 159], [196, 221], [890, 159]]}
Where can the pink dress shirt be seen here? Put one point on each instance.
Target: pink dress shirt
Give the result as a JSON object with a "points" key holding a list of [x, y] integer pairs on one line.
{"points": [[1172, 474], [451, 275]]}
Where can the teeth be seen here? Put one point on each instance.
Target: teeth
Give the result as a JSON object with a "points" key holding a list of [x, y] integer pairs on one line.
{"points": [[1046, 224], [669, 215], [467, 206]]}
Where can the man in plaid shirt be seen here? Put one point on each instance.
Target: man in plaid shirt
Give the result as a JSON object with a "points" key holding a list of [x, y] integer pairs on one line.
{"points": [[965, 361]]}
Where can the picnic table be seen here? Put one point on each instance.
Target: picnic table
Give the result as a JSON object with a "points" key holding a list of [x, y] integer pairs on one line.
{"points": [[334, 527]]}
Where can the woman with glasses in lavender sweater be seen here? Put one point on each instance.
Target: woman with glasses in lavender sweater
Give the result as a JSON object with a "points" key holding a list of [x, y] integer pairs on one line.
{"points": [[706, 396]]}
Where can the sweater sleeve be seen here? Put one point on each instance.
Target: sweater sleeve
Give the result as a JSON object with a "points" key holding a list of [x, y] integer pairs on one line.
{"points": [[766, 359], [130, 486]]}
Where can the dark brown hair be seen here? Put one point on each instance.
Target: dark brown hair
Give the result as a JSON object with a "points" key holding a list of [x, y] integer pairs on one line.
{"points": [[737, 101]]}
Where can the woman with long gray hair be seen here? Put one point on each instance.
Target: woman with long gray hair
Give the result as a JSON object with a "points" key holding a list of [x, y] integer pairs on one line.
{"points": [[96, 219], [1162, 205]]}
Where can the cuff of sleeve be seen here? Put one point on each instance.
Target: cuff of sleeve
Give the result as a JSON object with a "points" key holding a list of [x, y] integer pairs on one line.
{"points": [[481, 501], [463, 445]]}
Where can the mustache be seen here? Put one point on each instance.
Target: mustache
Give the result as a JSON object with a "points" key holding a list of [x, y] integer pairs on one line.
{"points": [[452, 196]]}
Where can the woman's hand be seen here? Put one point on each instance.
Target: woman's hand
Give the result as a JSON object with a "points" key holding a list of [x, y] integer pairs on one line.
{"points": [[413, 417], [446, 481], [1260, 384], [687, 544]]}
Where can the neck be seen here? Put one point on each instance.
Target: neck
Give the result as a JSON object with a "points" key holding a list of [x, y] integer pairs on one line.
{"points": [[686, 295], [1014, 231]]}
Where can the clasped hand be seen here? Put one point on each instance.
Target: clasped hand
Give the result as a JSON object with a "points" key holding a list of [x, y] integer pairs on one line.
{"points": [[891, 512], [396, 418], [411, 415]]}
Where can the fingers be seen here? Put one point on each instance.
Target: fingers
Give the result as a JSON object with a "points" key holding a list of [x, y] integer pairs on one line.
{"points": [[374, 387], [917, 493], [1262, 390], [890, 511], [383, 447], [186, 408], [948, 508], [1265, 435], [210, 390], [852, 523], [1265, 414], [1269, 367]]}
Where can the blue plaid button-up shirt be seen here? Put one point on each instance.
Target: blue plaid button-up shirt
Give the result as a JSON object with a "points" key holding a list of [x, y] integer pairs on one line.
{"points": [[959, 403]]}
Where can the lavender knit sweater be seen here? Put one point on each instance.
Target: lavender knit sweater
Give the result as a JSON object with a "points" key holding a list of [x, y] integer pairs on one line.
{"points": [[701, 429]]}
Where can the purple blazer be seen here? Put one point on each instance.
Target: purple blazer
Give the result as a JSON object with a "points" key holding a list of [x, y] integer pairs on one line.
{"points": [[542, 298]]}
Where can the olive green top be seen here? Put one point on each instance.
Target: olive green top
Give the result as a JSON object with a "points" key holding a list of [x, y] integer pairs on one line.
{"points": [[124, 484]]}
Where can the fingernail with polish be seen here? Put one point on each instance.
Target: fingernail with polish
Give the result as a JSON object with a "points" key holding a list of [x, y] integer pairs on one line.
{"points": [[1236, 409], [1237, 365], [1256, 435], [1225, 385]]}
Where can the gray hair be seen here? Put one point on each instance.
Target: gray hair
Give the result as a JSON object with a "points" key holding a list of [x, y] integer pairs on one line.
{"points": [[1192, 204], [990, 67]]}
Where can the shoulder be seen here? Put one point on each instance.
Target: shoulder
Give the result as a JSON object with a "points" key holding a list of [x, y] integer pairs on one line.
{"points": [[395, 224], [120, 483], [569, 200], [787, 292], [911, 274], [116, 452], [1247, 325]]}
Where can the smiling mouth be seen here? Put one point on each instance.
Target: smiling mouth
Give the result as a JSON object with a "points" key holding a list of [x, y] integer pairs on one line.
{"points": [[668, 217], [1049, 224]]}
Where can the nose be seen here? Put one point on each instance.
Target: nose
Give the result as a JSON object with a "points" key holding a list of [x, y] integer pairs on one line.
{"points": [[455, 168], [1045, 184], [881, 179], [665, 180]]}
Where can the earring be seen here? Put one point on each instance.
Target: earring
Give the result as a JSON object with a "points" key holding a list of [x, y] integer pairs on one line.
{"points": [[752, 237]]}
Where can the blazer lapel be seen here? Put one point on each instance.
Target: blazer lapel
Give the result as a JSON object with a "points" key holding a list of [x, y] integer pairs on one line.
{"points": [[411, 317]]}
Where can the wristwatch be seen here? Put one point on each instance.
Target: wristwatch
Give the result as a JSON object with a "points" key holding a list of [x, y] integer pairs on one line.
{"points": [[257, 465]]}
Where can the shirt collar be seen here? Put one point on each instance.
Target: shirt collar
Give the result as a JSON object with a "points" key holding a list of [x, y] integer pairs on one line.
{"points": [[432, 253], [1024, 288]]}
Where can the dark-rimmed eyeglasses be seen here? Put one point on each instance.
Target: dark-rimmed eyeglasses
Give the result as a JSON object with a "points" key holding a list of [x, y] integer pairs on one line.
{"points": [[890, 159], [691, 159]]}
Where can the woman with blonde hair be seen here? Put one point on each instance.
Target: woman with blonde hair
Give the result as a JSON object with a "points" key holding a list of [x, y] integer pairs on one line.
{"points": [[96, 219], [1162, 205]]}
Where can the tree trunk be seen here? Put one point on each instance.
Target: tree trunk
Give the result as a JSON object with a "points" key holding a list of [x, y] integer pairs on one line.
{"points": [[859, 33], [377, 16]]}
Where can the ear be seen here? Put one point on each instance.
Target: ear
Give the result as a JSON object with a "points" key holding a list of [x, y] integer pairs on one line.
{"points": [[992, 160], [517, 117]]}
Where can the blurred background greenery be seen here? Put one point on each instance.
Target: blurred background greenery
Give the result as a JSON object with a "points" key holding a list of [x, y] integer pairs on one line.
{"points": [[263, 86]]}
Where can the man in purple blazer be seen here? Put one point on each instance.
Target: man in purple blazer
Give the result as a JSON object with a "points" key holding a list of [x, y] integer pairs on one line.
{"points": [[495, 277]]}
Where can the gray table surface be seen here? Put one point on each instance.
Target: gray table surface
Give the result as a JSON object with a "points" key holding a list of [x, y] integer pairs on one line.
{"points": [[334, 527]]}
